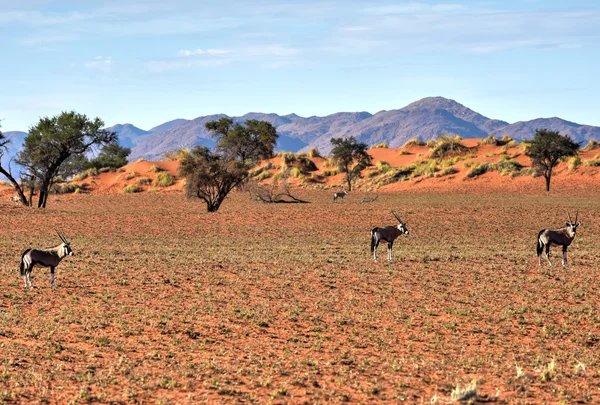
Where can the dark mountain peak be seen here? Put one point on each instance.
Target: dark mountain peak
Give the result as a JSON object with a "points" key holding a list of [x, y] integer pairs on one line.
{"points": [[434, 103]]}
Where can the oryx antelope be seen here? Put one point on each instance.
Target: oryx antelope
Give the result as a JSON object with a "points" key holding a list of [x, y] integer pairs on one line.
{"points": [[50, 257], [339, 194], [557, 237], [387, 234], [15, 199]]}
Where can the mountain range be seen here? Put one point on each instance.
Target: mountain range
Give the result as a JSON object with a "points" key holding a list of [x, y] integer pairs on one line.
{"points": [[425, 119]]}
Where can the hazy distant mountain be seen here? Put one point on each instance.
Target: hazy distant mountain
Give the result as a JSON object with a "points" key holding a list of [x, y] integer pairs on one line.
{"points": [[577, 132], [129, 135], [169, 125], [425, 119]]}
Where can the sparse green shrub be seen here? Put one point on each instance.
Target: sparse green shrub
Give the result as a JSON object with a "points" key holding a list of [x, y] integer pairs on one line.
{"points": [[591, 145], [106, 170], [592, 163], [156, 169], [163, 179], [264, 176], [177, 155], [288, 157], [314, 153], [383, 167], [144, 181], [383, 145], [431, 143], [404, 152], [448, 171], [489, 140], [477, 169], [307, 164], [510, 145], [467, 393], [425, 168], [530, 171], [505, 139], [328, 173], [489, 155], [506, 167], [296, 173], [574, 163], [85, 174], [447, 145], [414, 142], [131, 175], [132, 189], [66, 188], [452, 161]]}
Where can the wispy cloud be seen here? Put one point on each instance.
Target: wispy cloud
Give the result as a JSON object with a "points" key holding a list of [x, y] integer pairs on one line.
{"points": [[101, 63], [209, 52]]}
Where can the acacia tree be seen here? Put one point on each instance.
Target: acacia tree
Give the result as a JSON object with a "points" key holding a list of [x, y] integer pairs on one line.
{"points": [[351, 157], [210, 176], [52, 141], [4, 142], [547, 149], [111, 155]]}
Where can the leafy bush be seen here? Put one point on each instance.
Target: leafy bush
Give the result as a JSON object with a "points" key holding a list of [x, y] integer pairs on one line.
{"points": [[447, 145], [66, 188], [448, 171], [574, 163], [163, 179], [314, 153], [144, 181], [177, 155], [383, 167], [591, 145], [489, 140], [511, 144], [307, 164], [414, 142], [592, 163], [425, 168], [85, 174], [328, 173], [296, 173], [477, 169], [264, 175], [131, 175], [132, 189], [156, 169]]}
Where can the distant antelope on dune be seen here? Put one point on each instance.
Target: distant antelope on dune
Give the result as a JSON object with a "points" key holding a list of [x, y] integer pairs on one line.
{"points": [[339, 194], [50, 257], [557, 237], [387, 234]]}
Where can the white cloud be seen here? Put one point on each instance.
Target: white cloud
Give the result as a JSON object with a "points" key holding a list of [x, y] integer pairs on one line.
{"points": [[102, 63], [208, 52]]}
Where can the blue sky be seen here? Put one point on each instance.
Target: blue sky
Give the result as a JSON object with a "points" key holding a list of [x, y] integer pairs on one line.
{"points": [[149, 61]]}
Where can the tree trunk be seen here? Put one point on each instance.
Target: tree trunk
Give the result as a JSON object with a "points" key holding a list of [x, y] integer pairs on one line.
{"points": [[349, 180], [548, 176], [16, 186]]}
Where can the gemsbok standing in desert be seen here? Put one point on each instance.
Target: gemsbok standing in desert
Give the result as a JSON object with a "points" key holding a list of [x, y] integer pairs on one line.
{"points": [[339, 194], [387, 234], [50, 257], [557, 237]]}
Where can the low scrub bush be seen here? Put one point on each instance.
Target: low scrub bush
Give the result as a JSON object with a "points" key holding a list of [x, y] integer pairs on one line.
{"points": [[163, 179], [66, 188], [489, 140], [591, 145], [448, 145], [477, 169], [592, 163], [314, 153], [131, 175], [383, 145], [144, 181], [156, 169], [414, 142], [177, 155], [574, 163], [448, 171], [383, 167], [264, 176], [132, 189], [328, 173]]}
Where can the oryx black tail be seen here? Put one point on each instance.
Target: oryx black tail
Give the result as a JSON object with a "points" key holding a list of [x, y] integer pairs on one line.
{"points": [[22, 265], [540, 248]]}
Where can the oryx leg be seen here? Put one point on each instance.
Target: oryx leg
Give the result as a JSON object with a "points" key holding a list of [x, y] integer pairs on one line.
{"points": [[564, 260], [548, 254], [52, 277], [28, 275], [375, 248], [390, 244]]}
